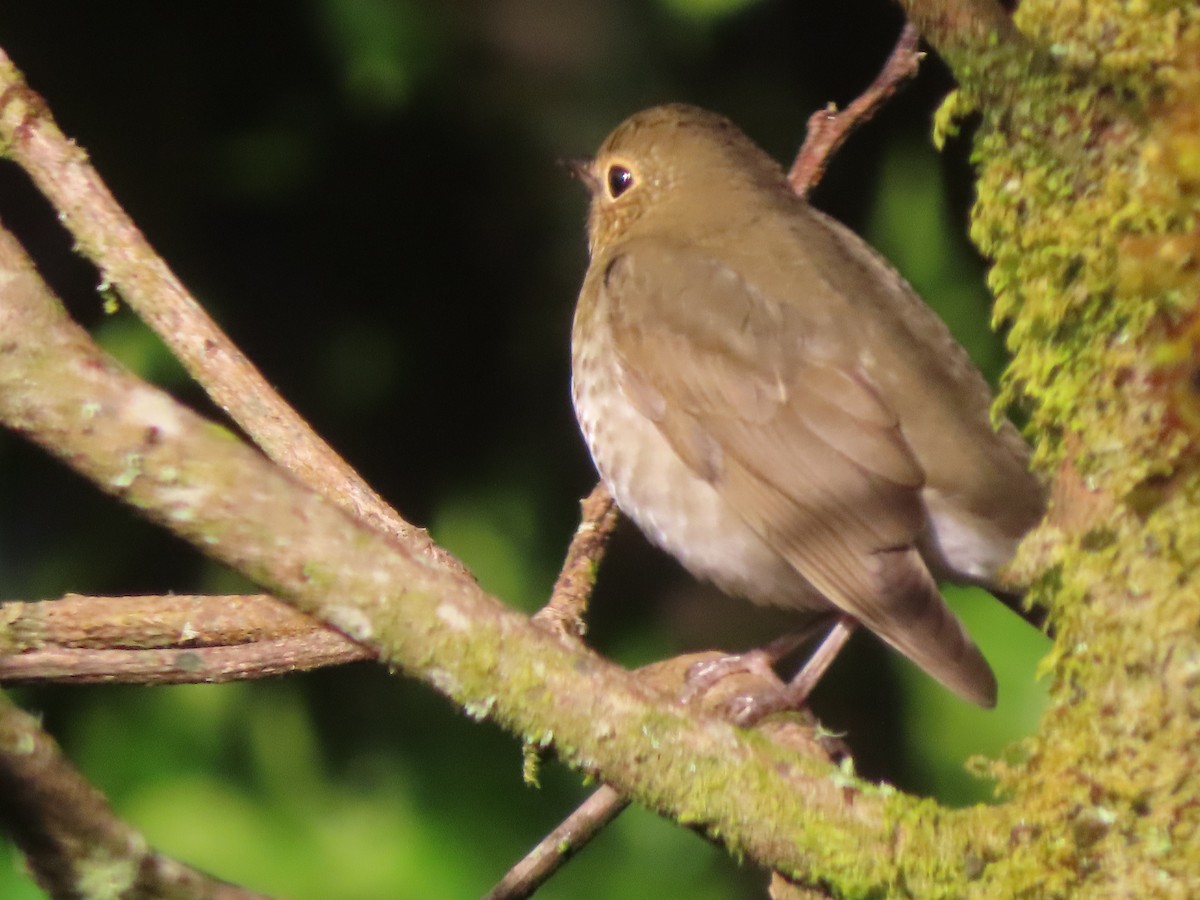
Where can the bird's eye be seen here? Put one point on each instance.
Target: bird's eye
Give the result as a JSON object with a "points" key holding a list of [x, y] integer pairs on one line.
{"points": [[620, 179]]}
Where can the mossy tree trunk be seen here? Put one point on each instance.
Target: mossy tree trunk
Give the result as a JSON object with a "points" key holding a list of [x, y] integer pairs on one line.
{"points": [[1088, 154]]}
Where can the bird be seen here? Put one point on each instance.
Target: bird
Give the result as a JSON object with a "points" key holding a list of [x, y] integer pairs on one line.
{"points": [[773, 405]]}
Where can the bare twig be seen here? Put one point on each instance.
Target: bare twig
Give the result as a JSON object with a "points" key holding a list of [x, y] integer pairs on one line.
{"points": [[105, 233], [208, 665], [588, 819], [66, 829], [564, 613], [828, 128], [142, 622]]}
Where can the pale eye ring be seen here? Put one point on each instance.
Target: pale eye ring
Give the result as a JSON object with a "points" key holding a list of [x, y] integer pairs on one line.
{"points": [[620, 179]]}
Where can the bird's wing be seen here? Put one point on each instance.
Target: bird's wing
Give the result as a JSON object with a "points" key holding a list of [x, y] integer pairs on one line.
{"points": [[761, 404]]}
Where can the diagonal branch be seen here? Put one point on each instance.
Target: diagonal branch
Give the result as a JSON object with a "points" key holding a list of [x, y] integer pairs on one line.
{"points": [[828, 128], [106, 235], [78, 621], [68, 832]]}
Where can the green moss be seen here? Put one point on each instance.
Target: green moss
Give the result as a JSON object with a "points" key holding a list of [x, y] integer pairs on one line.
{"points": [[1089, 184], [104, 877]]}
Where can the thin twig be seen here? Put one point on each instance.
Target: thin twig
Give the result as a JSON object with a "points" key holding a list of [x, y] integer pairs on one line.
{"points": [[144, 621], [200, 665], [604, 805], [828, 128], [105, 233], [565, 612], [67, 831]]}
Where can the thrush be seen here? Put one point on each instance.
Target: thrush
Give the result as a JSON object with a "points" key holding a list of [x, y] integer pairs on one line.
{"points": [[772, 404]]}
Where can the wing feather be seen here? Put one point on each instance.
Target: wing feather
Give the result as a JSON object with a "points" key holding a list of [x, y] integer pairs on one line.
{"points": [[764, 403]]}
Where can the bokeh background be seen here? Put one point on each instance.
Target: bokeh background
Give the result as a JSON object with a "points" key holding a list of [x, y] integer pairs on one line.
{"points": [[365, 193]]}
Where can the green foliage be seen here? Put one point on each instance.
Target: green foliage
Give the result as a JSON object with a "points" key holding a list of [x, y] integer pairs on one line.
{"points": [[913, 226], [494, 530], [703, 10], [137, 347], [964, 732], [383, 48]]}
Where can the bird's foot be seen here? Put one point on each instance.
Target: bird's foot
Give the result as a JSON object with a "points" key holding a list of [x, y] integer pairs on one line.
{"points": [[702, 677], [735, 686], [770, 694], [765, 691]]}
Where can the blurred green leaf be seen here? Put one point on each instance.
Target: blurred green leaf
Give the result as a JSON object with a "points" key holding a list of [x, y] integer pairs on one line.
{"points": [[360, 366], [384, 48], [139, 349], [493, 529], [911, 225], [704, 10], [15, 884]]}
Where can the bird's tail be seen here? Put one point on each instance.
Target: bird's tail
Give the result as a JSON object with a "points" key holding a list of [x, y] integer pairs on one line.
{"points": [[916, 621]]}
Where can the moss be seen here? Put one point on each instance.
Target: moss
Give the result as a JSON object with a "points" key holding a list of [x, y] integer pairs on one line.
{"points": [[103, 877], [1089, 185]]}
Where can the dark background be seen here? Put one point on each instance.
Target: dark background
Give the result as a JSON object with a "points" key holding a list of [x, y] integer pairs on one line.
{"points": [[366, 196]]}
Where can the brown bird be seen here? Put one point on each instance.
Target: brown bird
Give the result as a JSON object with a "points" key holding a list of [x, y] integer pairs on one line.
{"points": [[776, 407]]}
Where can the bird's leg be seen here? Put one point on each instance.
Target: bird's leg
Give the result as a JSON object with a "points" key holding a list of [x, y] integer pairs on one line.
{"points": [[749, 709], [761, 661], [806, 679]]}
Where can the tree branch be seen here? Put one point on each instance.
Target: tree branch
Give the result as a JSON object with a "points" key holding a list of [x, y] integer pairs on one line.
{"points": [[140, 622], [565, 612], [186, 639], [75, 845], [174, 639]]}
